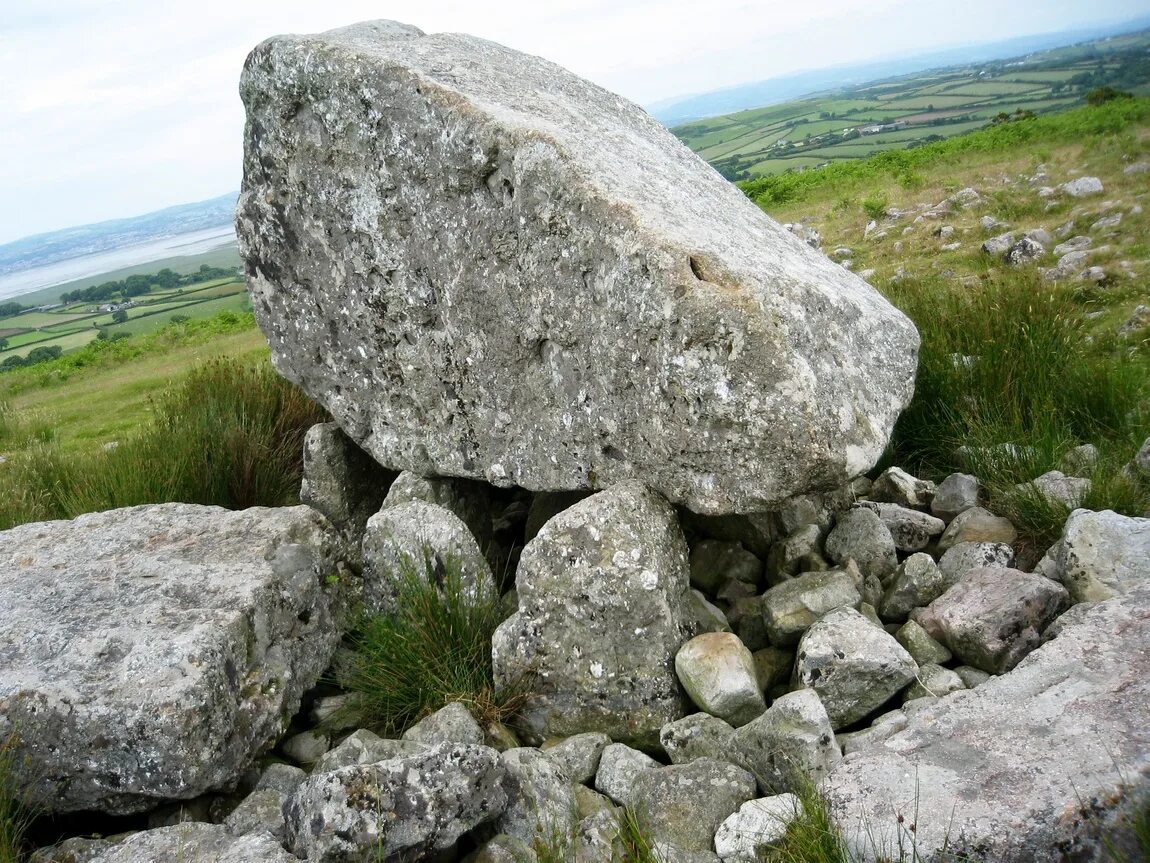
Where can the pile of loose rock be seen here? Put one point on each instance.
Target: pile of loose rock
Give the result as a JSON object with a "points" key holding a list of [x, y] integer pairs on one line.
{"points": [[555, 344]]}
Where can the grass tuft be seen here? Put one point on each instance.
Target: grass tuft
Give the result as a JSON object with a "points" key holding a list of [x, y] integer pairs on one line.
{"points": [[433, 649], [15, 813]]}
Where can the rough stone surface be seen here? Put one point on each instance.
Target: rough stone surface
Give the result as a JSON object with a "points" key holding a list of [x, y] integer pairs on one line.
{"points": [[149, 653], [284, 778], [895, 485], [194, 842], [413, 805], [933, 681], [773, 666], [541, 802], [1024, 251], [854, 666], [699, 735], [1103, 554], [759, 824], [1030, 766], [602, 604], [468, 500], [364, 747], [451, 724], [910, 529], [792, 743], [619, 765], [918, 643], [342, 481], [860, 535], [305, 747], [577, 757], [916, 582], [484, 266], [714, 562], [977, 525], [1057, 488], [1082, 186], [260, 811], [993, 617], [718, 673], [800, 551], [684, 804], [420, 541], [962, 557], [790, 608], [998, 245]]}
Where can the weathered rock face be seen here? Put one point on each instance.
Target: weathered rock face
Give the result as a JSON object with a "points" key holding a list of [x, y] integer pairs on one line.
{"points": [[150, 653], [1031, 765], [193, 842], [602, 611], [486, 267], [1102, 554]]}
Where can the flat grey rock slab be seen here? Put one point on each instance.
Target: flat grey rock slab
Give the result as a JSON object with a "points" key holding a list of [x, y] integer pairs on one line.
{"points": [[150, 653], [484, 266], [1029, 766], [195, 842]]}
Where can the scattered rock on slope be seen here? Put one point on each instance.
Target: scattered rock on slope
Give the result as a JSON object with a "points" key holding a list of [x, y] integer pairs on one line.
{"points": [[484, 266]]}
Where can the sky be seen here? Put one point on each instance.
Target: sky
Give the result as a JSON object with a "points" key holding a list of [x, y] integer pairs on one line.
{"points": [[114, 109]]}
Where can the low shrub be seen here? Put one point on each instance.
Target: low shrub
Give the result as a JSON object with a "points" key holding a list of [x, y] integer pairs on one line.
{"points": [[432, 649]]}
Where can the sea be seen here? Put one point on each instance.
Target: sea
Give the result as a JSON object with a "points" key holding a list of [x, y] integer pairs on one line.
{"points": [[98, 263]]}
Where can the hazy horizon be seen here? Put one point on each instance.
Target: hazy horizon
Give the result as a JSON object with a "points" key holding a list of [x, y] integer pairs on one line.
{"points": [[117, 112]]}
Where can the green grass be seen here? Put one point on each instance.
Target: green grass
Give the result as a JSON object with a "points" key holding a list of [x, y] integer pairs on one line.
{"points": [[230, 433], [433, 649], [15, 813]]}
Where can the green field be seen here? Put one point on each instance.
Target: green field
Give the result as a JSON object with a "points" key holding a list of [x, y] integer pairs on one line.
{"points": [[927, 106]]}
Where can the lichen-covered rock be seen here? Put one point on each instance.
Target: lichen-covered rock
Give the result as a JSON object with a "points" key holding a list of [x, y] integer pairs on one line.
{"points": [[684, 804], [718, 673], [602, 606], [364, 747], [977, 525], [699, 735], [854, 666], [790, 745], [1080, 187], [962, 557], [993, 617], [412, 805], [468, 500], [577, 757], [150, 653], [342, 481], [1103, 554], [933, 681], [916, 582], [759, 824], [923, 649], [619, 765], [419, 541], [790, 608], [910, 529], [484, 266], [195, 842], [895, 485], [1035, 765], [800, 551], [451, 724], [541, 803], [259, 812], [861, 536], [1055, 487]]}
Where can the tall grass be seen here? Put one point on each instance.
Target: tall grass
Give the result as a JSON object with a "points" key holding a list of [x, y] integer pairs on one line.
{"points": [[229, 434], [1008, 382], [15, 814], [434, 648]]}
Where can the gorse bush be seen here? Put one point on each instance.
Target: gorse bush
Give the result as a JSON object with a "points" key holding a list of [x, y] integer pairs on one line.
{"points": [[433, 648], [230, 434]]}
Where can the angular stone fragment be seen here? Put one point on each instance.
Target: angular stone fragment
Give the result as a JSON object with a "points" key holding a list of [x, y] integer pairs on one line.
{"points": [[993, 617], [759, 824], [259, 812], [977, 525], [699, 735], [619, 765], [1057, 488], [962, 557], [910, 529], [801, 551], [541, 803], [484, 266], [860, 535], [412, 806], [150, 653], [602, 604], [790, 745], [364, 747], [933, 681], [917, 582], [194, 842], [451, 724], [306, 747], [1039, 764], [918, 643], [577, 757], [718, 673], [791, 607], [714, 562], [1103, 554], [684, 804], [468, 500], [1082, 186], [895, 485], [854, 666], [773, 666], [419, 541]]}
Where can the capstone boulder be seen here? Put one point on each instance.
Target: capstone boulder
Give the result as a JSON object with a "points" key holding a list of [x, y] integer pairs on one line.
{"points": [[486, 267]]}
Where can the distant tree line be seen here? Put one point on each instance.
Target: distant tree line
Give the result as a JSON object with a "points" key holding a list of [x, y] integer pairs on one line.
{"points": [[142, 283], [10, 309], [36, 355]]}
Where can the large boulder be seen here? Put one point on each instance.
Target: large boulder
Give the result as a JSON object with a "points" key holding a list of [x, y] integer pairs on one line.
{"points": [[193, 842], [1103, 554], [150, 653], [602, 612], [486, 267], [1033, 765]]}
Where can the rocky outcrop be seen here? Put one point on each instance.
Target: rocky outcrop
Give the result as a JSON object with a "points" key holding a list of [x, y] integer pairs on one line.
{"points": [[151, 652], [485, 267], [602, 611], [1031, 766]]}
